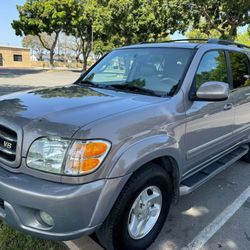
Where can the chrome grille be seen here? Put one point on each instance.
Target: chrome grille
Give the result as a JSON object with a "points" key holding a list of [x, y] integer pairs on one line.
{"points": [[8, 144]]}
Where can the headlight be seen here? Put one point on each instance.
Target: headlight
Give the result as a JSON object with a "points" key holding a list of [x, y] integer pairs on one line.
{"points": [[61, 156], [47, 154]]}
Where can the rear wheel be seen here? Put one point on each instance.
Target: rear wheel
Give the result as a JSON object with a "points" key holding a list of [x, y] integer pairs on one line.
{"points": [[140, 211]]}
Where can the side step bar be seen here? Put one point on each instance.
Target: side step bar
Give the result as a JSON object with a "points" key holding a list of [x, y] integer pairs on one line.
{"points": [[191, 183]]}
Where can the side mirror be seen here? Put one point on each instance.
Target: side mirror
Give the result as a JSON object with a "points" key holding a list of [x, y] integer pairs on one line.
{"points": [[213, 91]]}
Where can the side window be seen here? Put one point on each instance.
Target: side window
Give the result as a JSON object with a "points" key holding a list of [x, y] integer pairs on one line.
{"points": [[240, 69], [212, 67]]}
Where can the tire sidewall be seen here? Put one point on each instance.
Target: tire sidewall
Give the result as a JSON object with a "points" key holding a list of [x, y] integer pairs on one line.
{"points": [[121, 237]]}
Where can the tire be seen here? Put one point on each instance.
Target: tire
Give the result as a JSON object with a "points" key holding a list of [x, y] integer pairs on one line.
{"points": [[246, 157], [116, 232]]}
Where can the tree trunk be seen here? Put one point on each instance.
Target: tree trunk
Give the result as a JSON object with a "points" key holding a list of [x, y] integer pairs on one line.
{"points": [[85, 62], [51, 58], [52, 49], [86, 49], [232, 32]]}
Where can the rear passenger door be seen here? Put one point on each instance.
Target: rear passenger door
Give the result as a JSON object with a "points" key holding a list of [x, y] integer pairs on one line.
{"points": [[240, 77]]}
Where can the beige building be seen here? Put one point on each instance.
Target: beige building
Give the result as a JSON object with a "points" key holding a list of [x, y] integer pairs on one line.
{"points": [[14, 57]]}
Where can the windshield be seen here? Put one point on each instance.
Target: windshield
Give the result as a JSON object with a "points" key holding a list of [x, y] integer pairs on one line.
{"points": [[155, 70]]}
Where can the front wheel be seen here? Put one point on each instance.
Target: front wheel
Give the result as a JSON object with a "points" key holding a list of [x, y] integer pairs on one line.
{"points": [[140, 211]]}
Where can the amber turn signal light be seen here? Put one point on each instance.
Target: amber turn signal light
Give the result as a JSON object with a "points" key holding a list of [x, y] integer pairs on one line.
{"points": [[94, 149], [86, 156]]}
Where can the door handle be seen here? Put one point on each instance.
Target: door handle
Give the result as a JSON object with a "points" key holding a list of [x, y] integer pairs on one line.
{"points": [[228, 106]]}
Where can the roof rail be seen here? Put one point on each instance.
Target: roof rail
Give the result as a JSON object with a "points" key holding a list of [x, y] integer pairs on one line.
{"points": [[226, 42], [177, 40], [210, 40], [184, 40]]}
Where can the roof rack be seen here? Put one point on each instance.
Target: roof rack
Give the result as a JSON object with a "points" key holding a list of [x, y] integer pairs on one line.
{"points": [[226, 42], [185, 40], [177, 40], [211, 41]]}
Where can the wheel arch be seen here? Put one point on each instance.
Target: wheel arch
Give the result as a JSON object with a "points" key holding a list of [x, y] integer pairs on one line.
{"points": [[114, 187], [171, 167], [164, 151]]}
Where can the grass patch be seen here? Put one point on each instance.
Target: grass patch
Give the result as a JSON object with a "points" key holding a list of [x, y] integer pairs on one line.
{"points": [[11, 239]]}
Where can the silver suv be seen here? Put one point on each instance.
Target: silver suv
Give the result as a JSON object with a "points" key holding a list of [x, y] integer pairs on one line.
{"points": [[109, 153]]}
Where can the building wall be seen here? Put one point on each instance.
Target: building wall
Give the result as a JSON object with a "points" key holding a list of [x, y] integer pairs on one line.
{"points": [[8, 57]]}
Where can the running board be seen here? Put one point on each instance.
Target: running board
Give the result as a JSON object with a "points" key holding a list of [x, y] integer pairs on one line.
{"points": [[194, 181]]}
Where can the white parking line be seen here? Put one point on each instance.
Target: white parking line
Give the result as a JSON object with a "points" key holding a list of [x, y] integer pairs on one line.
{"points": [[202, 238]]}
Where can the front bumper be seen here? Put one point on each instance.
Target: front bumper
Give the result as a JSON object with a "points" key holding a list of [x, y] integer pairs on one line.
{"points": [[71, 206]]}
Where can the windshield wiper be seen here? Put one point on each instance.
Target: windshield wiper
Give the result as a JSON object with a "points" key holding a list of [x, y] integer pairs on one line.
{"points": [[135, 88], [126, 86], [89, 83]]}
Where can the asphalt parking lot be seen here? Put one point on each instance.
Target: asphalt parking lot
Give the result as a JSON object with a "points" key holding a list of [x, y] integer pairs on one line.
{"points": [[215, 216], [37, 77]]}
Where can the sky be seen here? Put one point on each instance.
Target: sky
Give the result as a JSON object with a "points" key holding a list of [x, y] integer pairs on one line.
{"points": [[8, 13]]}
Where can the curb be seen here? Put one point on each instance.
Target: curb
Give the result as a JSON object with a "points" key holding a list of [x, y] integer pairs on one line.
{"points": [[83, 243]]}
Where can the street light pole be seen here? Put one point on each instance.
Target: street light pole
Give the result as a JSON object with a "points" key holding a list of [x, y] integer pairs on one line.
{"points": [[92, 39]]}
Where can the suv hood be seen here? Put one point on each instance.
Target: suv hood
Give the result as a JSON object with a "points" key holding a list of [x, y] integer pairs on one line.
{"points": [[72, 105]]}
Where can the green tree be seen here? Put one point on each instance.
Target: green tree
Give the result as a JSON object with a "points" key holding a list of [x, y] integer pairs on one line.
{"points": [[224, 16], [38, 17], [244, 38], [130, 21], [198, 34], [81, 25], [101, 47]]}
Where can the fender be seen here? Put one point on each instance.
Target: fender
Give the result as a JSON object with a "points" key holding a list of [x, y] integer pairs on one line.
{"points": [[145, 151], [107, 199], [132, 159]]}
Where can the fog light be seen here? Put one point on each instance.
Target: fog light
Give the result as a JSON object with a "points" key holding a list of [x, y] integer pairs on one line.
{"points": [[46, 218]]}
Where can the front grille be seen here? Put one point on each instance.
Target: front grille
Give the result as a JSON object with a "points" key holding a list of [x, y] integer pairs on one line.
{"points": [[8, 142]]}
